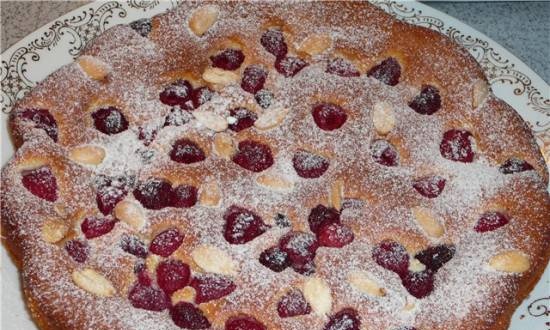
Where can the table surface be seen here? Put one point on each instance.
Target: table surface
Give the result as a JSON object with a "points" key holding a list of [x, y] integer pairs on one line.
{"points": [[521, 27]]}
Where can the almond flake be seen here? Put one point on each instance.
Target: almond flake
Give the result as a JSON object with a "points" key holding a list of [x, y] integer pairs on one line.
{"points": [[93, 282], [318, 295], [214, 260]]}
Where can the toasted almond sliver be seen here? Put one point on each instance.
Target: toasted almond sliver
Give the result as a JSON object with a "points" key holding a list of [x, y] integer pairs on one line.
{"points": [[93, 67], [93, 282], [54, 230], [214, 260], [274, 182], [383, 118], [89, 155], [131, 213], [318, 295], [336, 194], [211, 120], [210, 194], [186, 294], [270, 119], [316, 44], [224, 146], [219, 77], [427, 222], [151, 262], [363, 282], [511, 261], [479, 92], [416, 266], [203, 18]]}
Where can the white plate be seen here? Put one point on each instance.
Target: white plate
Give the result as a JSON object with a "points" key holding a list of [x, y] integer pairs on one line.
{"points": [[45, 50]]}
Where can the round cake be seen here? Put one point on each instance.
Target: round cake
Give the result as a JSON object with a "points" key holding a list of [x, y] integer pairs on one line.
{"points": [[266, 165]]}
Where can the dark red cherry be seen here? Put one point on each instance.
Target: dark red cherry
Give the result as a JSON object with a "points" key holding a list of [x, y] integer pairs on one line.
{"points": [[142, 26], [148, 297], [306, 268], [172, 275], [334, 235], [457, 145], [274, 42], [177, 93], [264, 98], [254, 77], [275, 259], [429, 186], [40, 182], [110, 121], [186, 151], [293, 303], [515, 165], [187, 316], [78, 250], [490, 221], [200, 96], [309, 165], [384, 153], [154, 194], [346, 319], [243, 322], [165, 243], [229, 59], [244, 119], [436, 256], [300, 247], [42, 119], [289, 66], [427, 102], [108, 197], [388, 71], [184, 196], [211, 287], [329, 116], [242, 225], [93, 227], [253, 156], [321, 215], [133, 245], [177, 117], [142, 274], [342, 67], [419, 284], [392, 256]]}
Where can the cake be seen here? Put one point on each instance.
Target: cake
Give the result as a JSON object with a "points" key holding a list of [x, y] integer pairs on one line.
{"points": [[270, 165]]}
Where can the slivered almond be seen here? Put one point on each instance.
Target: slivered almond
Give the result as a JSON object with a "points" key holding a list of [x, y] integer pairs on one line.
{"points": [[318, 295], [93, 67], [479, 92], [210, 194], [224, 146], [362, 281], [54, 230], [427, 222], [275, 182], [186, 294], [270, 119], [89, 155], [383, 118], [511, 261], [416, 266], [220, 78], [214, 260], [336, 194], [151, 262], [203, 18], [93, 282], [315, 44], [131, 213], [211, 120]]}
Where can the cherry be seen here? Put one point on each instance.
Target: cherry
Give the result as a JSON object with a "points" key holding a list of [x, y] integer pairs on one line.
{"points": [[229, 59], [93, 227], [108, 197], [186, 151], [275, 259], [243, 322], [293, 303], [274, 42], [142, 274], [253, 156], [172, 275], [147, 134], [346, 319], [40, 182], [490, 221], [187, 316], [200, 96], [430, 186], [457, 145], [211, 286], [392, 256], [78, 250], [148, 297], [419, 284], [42, 119], [254, 77], [242, 225], [109, 121], [306, 268], [515, 165], [133, 245], [436, 256], [427, 102], [244, 119], [177, 93], [329, 116], [289, 66], [308, 165], [264, 98], [142, 26], [384, 153], [177, 117], [335, 235], [321, 215], [154, 194], [342, 67], [184, 196], [388, 71], [165, 243], [300, 247]]}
